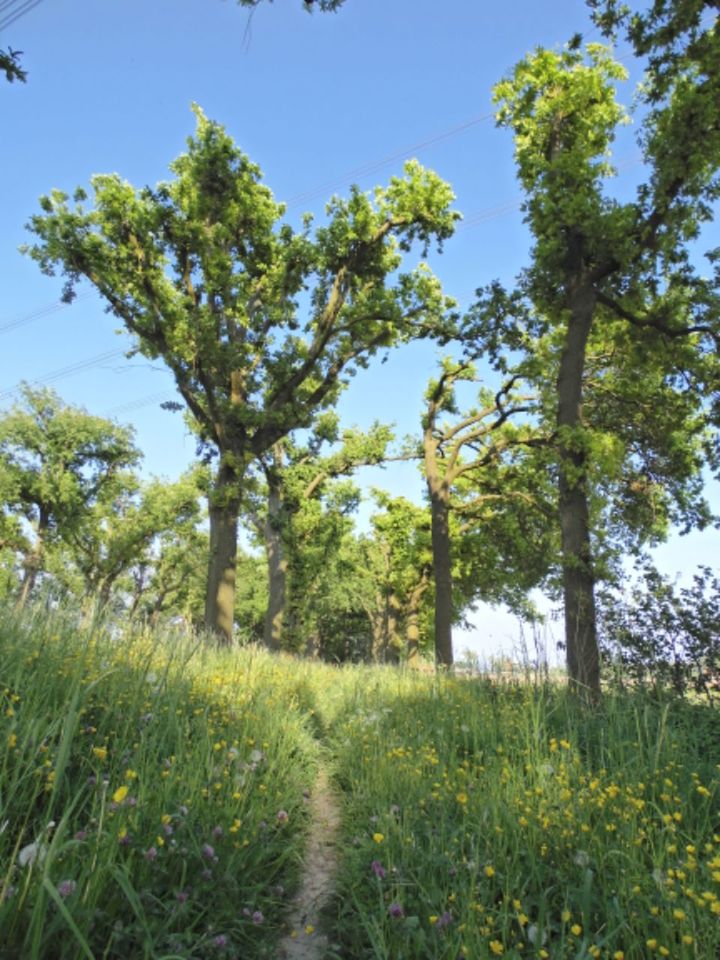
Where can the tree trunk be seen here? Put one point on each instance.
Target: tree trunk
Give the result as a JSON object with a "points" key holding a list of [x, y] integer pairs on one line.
{"points": [[393, 643], [277, 571], [442, 572], [34, 561], [412, 622], [583, 658], [224, 507]]}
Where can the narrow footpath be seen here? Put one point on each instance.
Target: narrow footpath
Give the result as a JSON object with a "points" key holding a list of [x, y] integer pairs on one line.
{"points": [[305, 940]]}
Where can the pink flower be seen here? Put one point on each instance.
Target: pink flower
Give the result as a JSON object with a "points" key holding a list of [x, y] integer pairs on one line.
{"points": [[66, 888], [258, 918], [283, 816], [378, 869]]}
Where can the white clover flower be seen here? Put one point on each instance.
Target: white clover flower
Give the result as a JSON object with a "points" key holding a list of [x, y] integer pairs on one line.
{"points": [[33, 852]]}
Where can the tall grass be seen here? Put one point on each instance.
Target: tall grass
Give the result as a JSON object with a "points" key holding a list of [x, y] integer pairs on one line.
{"points": [[486, 821], [151, 795], [152, 805]]}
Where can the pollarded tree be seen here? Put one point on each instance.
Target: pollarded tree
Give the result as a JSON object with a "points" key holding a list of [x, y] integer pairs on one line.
{"points": [[56, 463], [596, 259], [203, 273]]}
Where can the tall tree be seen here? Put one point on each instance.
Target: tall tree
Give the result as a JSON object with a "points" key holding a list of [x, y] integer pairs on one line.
{"points": [[596, 259], [476, 465], [56, 463], [201, 271]]}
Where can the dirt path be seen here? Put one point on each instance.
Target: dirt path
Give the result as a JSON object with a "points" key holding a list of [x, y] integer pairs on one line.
{"points": [[304, 941]]}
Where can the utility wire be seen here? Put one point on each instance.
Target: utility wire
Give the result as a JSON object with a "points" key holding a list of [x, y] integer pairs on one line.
{"points": [[19, 13], [41, 312], [68, 371]]}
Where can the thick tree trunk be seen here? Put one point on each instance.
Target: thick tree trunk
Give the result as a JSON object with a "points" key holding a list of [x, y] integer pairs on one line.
{"points": [[220, 596], [583, 658], [392, 642], [277, 571], [442, 572]]}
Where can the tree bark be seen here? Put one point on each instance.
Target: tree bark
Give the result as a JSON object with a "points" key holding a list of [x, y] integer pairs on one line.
{"points": [[224, 507], [277, 570], [583, 658], [442, 572], [34, 561], [412, 622]]}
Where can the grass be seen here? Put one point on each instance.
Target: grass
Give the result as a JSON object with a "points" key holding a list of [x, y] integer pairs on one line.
{"points": [[151, 806]]}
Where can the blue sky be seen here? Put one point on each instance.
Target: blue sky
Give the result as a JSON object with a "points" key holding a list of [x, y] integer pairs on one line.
{"points": [[318, 102]]}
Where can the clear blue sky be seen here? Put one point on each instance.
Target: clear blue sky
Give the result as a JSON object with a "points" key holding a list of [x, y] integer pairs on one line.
{"points": [[318, 102]]}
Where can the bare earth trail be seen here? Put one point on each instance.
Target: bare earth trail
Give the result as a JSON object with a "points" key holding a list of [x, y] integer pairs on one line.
{"points": [[317, 878]]}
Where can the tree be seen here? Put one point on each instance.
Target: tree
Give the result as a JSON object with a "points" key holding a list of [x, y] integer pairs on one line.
{"points": [[120, 531], [56, 463], [203, 275], [476, 466], [310, 5], [597, 260], [295, 474]]}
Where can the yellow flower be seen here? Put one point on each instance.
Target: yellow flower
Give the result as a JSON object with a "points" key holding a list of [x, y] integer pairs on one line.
{"points": [[489, 871], [461, 798], [120, 794], [378, 837], [100, 752], [565, 916], [309, 929], [576, 929], [496, 947], [130, 775], [12, 741]]}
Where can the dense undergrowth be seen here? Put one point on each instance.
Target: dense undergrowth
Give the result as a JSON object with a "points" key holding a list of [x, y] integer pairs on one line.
{"points": [[152, 804]]}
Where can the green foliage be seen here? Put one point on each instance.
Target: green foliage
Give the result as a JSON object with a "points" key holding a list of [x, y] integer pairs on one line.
{"points": [[654, 633], [10, 65]]}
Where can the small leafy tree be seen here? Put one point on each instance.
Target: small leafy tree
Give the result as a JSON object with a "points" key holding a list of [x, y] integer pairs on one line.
{"points": [[57, 463]]}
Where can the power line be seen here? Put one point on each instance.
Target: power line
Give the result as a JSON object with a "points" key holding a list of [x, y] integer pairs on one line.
{"points": [[19, 13], [41, 312], [68, 371], [140, 402], [375, 165]]}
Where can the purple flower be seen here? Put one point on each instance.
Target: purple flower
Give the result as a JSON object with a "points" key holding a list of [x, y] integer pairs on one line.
{"points": [[283, 816], [257, 918], [207, 851], [444, 921], [182, 896], [395, 910], [66, 888], [217, 831], [378, 869], [220, 940], [151, 853], [207, 874], [81, 835]]}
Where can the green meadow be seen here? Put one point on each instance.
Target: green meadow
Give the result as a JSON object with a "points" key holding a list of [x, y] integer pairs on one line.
{"points": [[153, 804]]}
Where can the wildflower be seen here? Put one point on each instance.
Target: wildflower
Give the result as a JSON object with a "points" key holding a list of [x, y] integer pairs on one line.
{"points": [[576, 929], [258, 918], [396, 911], [208, 852], [12, 741], [151, 853], [220, 941], [282, 816], [489, 871], [378, 869], [66, 888], [81, 835], [309, 929], [444, 921], [100, 753], [120, 794], [461, 798], [496, 947], [378, 837], [182, 896], [217, 832]]}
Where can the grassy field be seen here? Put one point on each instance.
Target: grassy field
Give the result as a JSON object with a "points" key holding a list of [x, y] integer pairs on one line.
{"points": [[153, 805]]}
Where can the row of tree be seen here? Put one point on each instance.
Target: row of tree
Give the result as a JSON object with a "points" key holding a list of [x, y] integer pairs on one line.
{"points": [[603, 408]]}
